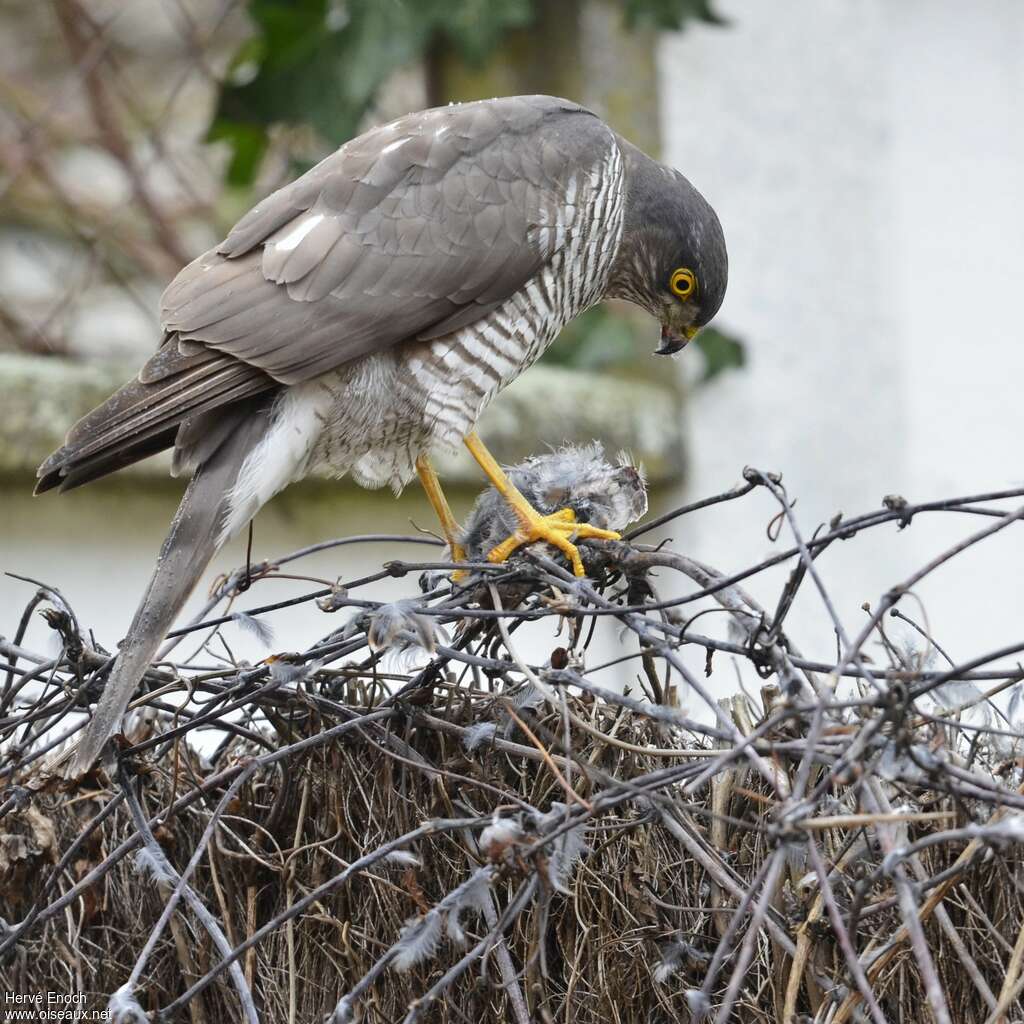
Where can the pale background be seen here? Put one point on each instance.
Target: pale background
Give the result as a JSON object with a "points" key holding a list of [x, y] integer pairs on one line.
{"points": [[867, 161]]}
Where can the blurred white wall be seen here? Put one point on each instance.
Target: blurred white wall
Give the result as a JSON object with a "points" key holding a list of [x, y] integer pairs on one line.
{"points": [[867, 161]]}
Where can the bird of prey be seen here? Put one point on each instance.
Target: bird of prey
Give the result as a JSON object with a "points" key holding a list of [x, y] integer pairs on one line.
{"points": [[365, 314]]}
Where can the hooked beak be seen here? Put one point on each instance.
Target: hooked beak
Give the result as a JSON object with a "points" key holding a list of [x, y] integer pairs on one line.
{"points": [[671, 342]]}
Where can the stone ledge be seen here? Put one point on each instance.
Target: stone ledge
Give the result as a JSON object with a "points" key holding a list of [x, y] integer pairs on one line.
{"points": [[42, 397]]}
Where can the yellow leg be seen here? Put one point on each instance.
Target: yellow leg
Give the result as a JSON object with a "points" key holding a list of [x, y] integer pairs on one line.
{"points": [[560, 528], [439, 503]]}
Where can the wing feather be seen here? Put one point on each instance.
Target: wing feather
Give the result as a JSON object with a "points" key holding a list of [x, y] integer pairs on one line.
{"points": [[413, 227], [410, 231], [143, 417]]}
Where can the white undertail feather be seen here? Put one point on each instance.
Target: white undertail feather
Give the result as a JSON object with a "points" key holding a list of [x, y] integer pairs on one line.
{"points": [[124, 1008], [279, 458]]}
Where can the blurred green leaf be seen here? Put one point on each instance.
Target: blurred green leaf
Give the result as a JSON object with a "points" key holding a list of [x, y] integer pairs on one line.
{"points": [[595, 340], [477, 27], [721, 352], [322, 62], [670, 15], [248, 143], [603, 339]]}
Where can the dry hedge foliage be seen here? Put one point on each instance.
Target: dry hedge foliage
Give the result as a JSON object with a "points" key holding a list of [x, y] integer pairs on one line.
{"points": [[500, 840], [287, 832]]}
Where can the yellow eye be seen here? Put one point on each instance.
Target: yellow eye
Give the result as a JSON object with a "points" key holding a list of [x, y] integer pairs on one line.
{"points": [[683, 283]]}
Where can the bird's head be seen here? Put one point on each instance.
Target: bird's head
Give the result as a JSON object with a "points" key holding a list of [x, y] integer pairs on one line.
{"points": [[672, 259]]}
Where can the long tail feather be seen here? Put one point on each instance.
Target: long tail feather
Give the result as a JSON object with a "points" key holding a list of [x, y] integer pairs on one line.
{"points": [[193, 540], [142, 417]]}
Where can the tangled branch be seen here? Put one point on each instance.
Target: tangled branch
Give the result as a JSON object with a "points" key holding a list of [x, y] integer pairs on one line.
{"points": [[427, 814]]}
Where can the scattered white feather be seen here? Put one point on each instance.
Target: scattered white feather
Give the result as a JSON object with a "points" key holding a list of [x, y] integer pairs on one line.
{"points": [[910, 653], [418, 941], [453, 926], [291, 668], [565, 850], [795, 854], [1015, 709], [263, 631], [473, 896], [353, 625], [663, 971], [124, 1008], [528, 697], [404, 858], [698, 1003], [477, 734], [957, 692], [399, 627], [499, 836], [421, 936], [147, 863], [673, 956]]}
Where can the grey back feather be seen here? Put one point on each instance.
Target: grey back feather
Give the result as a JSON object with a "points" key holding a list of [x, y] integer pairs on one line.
{"points": [[411, 230]]}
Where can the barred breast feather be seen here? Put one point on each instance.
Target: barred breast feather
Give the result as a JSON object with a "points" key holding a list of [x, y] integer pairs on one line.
{"points": [[460, 374], [430, 394]]}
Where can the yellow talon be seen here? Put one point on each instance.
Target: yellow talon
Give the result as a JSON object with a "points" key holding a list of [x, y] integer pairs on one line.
{"points": [[566, 515], [560, 529], [554, 529]]}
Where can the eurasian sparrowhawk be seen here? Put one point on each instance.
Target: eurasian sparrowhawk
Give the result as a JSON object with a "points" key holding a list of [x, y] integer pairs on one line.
{"points": [[366, 314]]}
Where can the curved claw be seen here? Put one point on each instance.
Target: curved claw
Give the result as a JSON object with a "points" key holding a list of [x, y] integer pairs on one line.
{"points": [[555, 529]]}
